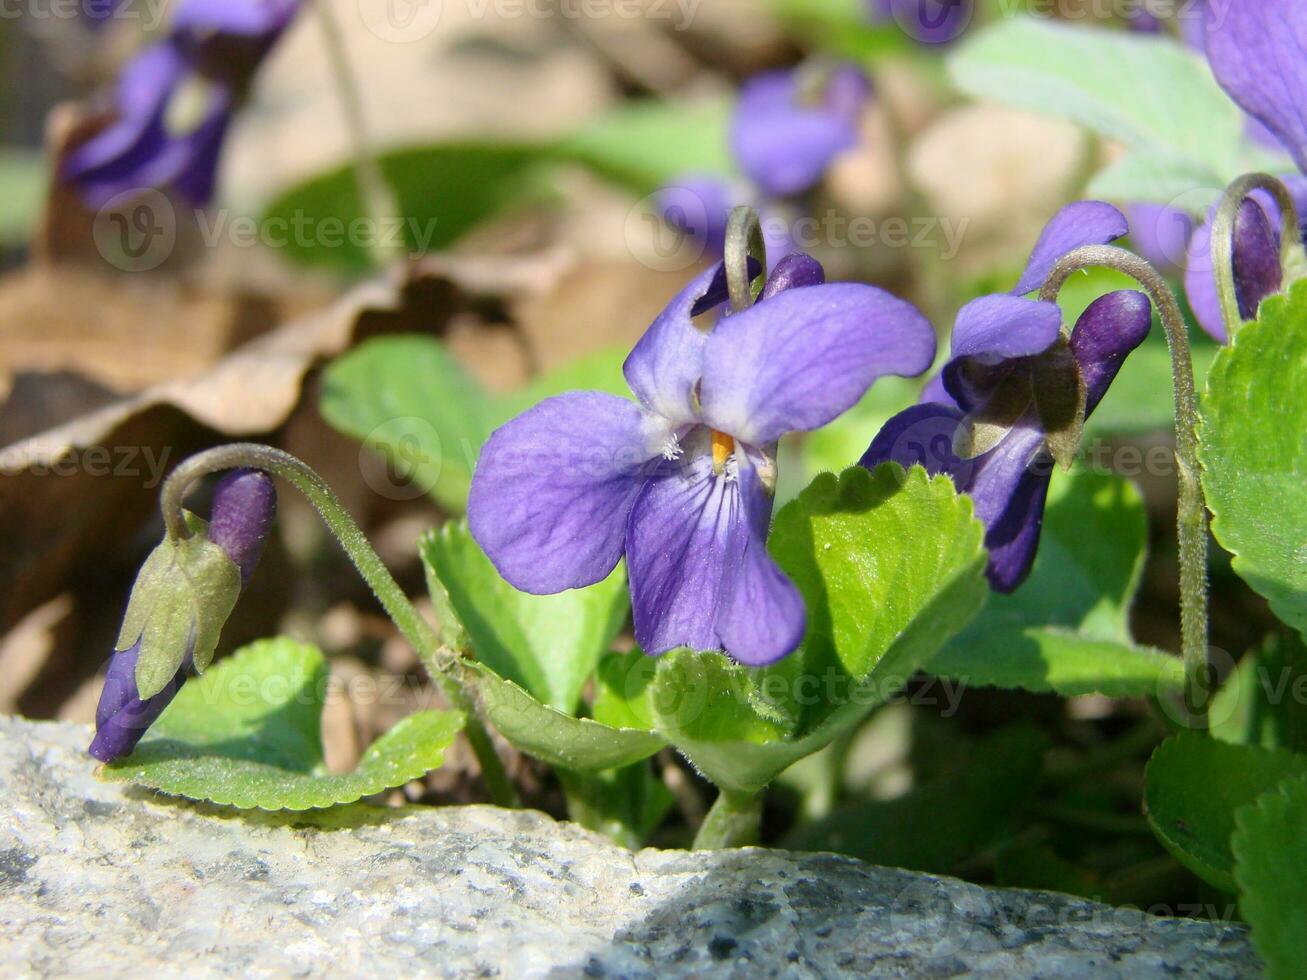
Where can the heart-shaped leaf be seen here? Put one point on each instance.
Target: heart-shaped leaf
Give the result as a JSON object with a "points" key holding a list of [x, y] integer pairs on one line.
{"points": [[408, 398], [1270, 852], [547, 644], [1067, 628], [248, 734], [1148, 92], [1194, 786], [1254, 453]]}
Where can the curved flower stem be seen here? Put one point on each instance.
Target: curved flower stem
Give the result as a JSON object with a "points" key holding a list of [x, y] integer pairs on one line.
{"points": [[735, 820], [1192, 510], [1222, 247], [374, 191], [744, 241], [439, 660]]}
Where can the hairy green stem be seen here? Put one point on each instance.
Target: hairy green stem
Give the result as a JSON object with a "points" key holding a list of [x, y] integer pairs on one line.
{"points": [[744, 241], [735, 820], [1192, 510], [1222, 241], [439, 661], [374, 192]]}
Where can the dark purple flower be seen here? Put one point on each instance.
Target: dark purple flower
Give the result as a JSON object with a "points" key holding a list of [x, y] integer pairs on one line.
{"points": [[1008, 364], [790, 125], [244, 504], [681, 483], [1257, 268], [927, 21], [210, 54]]}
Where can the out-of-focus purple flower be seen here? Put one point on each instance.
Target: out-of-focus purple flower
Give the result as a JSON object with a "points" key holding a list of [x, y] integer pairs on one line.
{"points": [[698, 207], [928, 21], [244, 504], [1011, 368], [681, 482], [210, 54], [1258, 52], [790, 125], [1161, 235]]}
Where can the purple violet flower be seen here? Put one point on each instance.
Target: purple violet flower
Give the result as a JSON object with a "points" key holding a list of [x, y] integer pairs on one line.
{"points": [[244, 505], [1258, 51], [927, 21], [790, 125], [212, 50], [1008, 361], [681, 483]]}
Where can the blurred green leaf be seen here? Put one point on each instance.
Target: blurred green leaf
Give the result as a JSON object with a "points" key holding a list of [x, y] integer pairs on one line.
{"points": [[441, 191], [1148, 92], [1254, 453], [1067, 628], [1040, 868], [647, 144], [1270, 852], [22, 187], [936, 826], [1194, 785], [547, 644], [839, 445], [407, 398], [890, 566], [248, 734]]}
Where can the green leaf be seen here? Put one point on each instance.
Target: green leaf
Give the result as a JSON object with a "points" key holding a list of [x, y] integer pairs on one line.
{"points": [[180, 601], [946, 821], [842, 27], [1143, 176], [1254, 453], [890, 566], [549, 734], [547, 644], [599, 370], [441, 191], [1150, 93], [644, 145], [409, 399], [248, 734], [23, 189], [625, 804], [1270, 854], [1067, 628], [1194, 785]]}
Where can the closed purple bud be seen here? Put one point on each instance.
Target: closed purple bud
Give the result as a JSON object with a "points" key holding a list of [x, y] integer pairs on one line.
{"points": [[794, 271], [1257, 272], [244, 505]]}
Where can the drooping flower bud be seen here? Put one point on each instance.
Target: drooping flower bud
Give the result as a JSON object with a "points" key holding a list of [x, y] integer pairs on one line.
{"points": [[182, 597]]}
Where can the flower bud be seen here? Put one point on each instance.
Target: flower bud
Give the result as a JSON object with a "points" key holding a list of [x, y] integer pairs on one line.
{"points": [[181, 599]]}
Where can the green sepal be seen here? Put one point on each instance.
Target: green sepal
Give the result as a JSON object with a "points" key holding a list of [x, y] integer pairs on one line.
{"points": [[1060, 400], [182, 597]]}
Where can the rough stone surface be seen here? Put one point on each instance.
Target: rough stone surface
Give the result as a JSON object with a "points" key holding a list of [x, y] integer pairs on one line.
{"points": [[98, 879]]}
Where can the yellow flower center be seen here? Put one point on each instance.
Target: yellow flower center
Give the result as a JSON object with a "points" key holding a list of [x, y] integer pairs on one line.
{"points": [[722, 448]]}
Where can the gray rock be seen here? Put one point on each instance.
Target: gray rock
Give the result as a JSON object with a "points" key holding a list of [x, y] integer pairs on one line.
{"points": [[98, 879]]}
